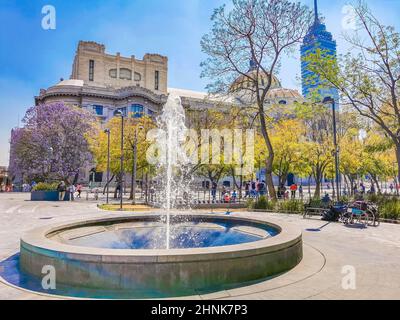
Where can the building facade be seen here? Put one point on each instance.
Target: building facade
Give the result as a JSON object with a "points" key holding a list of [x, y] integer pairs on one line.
{"points": [[317, 38], [103, 83]]}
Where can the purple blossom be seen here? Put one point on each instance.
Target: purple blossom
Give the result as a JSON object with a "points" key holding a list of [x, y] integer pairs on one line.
{"points": [[53, 143]]}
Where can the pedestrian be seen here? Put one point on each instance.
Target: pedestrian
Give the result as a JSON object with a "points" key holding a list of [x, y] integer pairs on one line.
{"points": [[253, 191], [293, 189], [372, 190], [326, 200], [301, 191], [262, 188], [227, 197], [79, 190], [286, 195], [258, 187], [362, 187], [391, 188], [234, 196], [214, 190], [61, 188], [247, 189], [71, 190]]}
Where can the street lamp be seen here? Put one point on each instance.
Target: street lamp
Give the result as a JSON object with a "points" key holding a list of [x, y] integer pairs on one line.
{"points": [[330, 100], [119, 113], [108, 131], [135, 164]]}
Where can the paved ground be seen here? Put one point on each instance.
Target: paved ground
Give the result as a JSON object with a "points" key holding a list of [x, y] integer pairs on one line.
{"points": [[331, 252]]}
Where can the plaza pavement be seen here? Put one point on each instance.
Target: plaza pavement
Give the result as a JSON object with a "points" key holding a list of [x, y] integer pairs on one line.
{"points": [[329, 250]]}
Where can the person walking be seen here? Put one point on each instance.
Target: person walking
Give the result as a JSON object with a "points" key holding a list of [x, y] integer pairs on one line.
{"points": [[301, 192], [71, 190], [79, 190], [293, 189], [61, 188]]}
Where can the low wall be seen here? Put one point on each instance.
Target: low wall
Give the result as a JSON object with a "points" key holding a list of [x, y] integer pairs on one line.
{"points": [[167, 272], [47, 196]]}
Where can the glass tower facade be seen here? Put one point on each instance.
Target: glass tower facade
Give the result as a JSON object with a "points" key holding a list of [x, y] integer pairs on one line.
{"points": [[317, 38]]}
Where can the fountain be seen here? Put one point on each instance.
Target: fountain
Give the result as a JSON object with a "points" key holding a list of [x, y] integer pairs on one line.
{"points": [[162, 254], [173, 160]]}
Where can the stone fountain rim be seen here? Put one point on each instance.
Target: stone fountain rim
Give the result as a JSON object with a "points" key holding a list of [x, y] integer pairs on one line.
{"points": [[37, 241]]}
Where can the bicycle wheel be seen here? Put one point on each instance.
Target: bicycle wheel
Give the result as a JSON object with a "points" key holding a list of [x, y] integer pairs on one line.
{"points": [[364, 219]]}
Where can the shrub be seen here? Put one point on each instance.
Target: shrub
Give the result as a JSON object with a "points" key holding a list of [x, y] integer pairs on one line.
{"points": [[263, 204], [291, 206], [43, 186], [344, 199], [390, 209], [250, 203]]}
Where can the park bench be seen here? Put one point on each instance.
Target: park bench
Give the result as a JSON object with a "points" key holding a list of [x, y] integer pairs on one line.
{"points": [[315, 208]]}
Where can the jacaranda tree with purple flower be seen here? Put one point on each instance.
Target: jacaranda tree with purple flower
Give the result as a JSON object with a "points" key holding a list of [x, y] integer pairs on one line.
{"points": [[53, 143]]}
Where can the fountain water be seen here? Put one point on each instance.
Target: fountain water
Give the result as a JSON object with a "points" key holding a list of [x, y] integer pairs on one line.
{"points": [[174, 161]]}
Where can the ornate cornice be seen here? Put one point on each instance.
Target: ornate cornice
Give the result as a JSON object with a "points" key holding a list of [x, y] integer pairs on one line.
{"points": [[99, 92]]}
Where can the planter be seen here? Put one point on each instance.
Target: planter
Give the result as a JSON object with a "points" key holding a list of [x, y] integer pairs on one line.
{"points": [[47, 196]]}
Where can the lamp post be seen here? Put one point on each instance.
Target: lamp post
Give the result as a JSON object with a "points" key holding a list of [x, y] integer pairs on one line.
{"points": [[134, 164], [331, 101], [107, 131], [119, 113]]}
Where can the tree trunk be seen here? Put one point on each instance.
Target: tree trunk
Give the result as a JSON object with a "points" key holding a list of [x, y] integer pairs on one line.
{"points": [[270, 158], [318, 178], [376, 182], [398, 165], [107, 183], [268, 177]]}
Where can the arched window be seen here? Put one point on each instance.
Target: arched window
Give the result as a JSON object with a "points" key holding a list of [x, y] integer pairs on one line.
{"points": [[282, 102]]}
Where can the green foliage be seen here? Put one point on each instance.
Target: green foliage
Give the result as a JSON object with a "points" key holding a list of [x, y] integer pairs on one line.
{"points": [[44, 186], [344, 199], [263, 204], [390, 209], [291, 206]]}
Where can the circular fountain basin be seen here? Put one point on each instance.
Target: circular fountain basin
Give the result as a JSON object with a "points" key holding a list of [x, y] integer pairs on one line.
{"points": [[207, 253]]}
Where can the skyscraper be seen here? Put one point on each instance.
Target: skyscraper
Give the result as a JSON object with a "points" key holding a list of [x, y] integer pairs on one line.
{"points": [[317, 38]]}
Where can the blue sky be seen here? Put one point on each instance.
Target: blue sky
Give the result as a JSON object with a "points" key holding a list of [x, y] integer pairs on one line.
{"points": [[32, 58]]}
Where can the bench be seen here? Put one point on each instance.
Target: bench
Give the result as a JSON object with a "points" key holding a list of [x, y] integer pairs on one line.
{"points": [[315, 209]]}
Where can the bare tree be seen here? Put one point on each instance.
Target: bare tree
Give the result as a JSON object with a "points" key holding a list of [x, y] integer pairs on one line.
{"points": [[368, 76], [260, 31]]}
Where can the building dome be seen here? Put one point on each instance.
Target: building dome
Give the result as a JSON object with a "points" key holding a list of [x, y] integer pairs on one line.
{"points": [[71, 82], [242, 82], [284, 94]]}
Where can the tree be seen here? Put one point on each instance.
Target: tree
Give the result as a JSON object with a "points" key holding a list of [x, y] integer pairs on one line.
{"points": [[132, 127], [286, 139], [53, 144], [317, 145], [368, 77], [260, 31]]}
